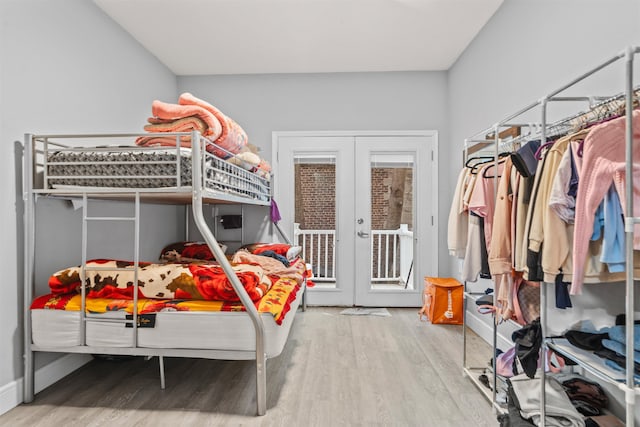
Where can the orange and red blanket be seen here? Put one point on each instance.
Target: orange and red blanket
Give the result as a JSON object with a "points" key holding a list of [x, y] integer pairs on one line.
{"points": [[276, 301], [105, 278]]}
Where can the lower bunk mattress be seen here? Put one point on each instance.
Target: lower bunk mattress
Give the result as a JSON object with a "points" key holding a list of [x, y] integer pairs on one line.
{"points": [[175, 324]]}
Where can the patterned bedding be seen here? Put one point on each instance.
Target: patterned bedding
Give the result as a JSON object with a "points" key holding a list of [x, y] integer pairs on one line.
{"points": [[277, 301], [198, 281]]}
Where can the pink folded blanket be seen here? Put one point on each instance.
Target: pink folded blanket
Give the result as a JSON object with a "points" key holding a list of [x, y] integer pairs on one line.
{"points": [[163, 141], [232, 137], [186, 124], [166, 111]]}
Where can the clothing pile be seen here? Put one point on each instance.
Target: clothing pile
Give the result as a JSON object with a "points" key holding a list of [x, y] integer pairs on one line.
{"points": [[570, 400]]}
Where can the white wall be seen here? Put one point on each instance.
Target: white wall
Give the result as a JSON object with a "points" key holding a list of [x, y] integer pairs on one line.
{"points": [[526, 51], [262, 104], [64, 67]]}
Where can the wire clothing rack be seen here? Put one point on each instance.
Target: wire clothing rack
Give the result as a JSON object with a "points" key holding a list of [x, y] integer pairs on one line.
{"points": [[547, 130]]}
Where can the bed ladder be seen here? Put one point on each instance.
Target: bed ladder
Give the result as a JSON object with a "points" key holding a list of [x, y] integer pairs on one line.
{"points": [[135, 219]]}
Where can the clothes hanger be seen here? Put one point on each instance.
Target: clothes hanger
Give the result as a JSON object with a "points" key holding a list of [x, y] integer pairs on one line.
{"points": [[484, 171], [483, 159]]}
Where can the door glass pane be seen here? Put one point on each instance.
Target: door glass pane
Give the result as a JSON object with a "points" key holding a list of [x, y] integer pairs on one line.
{"points": [[315, 214], [392, 221]]}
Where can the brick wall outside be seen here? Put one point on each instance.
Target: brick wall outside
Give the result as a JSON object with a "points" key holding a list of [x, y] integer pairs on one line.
{"points": [[315, 196], [380, 182]]}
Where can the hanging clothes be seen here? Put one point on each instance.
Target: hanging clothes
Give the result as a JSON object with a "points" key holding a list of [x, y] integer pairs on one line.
{"points": [[482, 200], [458, 218], [500, 255], [603, 163], [562, 203], [530, 258], [472, 262], [561, 200], [546, 225], [523, 200], [500, 250]]}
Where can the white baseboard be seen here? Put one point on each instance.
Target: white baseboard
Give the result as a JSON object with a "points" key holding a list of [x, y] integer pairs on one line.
{"points": [[11, 394]]}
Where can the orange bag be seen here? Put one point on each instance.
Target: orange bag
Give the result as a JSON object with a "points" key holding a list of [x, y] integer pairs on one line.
{"points": [[442, 300]]}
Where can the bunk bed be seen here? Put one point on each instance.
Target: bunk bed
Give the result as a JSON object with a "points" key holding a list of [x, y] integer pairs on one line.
{"points": [[190, 173]]}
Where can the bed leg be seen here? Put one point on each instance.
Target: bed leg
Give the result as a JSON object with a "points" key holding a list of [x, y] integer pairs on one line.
{"points": [[304, 295], [161, 363], [29, 377], [261, 383]]}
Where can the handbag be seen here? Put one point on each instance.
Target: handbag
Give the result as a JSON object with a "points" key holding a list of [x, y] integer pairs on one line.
{"points": [[442, 301], [526, 301]]}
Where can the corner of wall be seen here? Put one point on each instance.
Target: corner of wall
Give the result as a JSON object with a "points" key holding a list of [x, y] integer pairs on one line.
{"points": [[11, 394]]}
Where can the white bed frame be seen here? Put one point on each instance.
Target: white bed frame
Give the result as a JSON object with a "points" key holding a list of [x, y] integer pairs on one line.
{"points": [[205, 169]]}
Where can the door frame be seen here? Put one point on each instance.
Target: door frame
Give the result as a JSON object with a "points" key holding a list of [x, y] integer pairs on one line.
{"points": [[426, 222]]}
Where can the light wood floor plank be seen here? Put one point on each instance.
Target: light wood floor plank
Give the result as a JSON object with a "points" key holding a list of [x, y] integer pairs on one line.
{"points": [[335, 370]]}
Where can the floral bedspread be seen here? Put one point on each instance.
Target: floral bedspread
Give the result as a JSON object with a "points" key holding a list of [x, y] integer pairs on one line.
{"points": [[276, 301], [199, 281]]}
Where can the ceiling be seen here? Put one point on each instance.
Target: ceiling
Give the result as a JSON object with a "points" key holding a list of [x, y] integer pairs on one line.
{"points": [[204, 37]]}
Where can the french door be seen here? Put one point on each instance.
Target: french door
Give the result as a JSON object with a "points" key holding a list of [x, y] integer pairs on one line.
{"points": [[363, 205]]}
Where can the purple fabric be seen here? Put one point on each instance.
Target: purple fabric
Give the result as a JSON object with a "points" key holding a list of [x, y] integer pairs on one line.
{"points": [[275, 212]]}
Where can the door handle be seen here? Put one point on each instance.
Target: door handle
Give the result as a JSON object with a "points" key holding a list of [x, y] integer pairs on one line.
{"points": [[363, 234]]}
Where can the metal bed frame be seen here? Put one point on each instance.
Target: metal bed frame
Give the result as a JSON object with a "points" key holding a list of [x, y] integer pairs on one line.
{"points": [[204, 188]]}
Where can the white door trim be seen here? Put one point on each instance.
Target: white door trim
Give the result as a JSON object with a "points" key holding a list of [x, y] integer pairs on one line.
{"points": [[429, 236]]}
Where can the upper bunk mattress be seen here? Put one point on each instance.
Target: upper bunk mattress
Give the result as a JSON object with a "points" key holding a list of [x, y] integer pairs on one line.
{"points": [[119, 169]]}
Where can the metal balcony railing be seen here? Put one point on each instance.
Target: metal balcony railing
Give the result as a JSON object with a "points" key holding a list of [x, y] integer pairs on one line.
{"points": [[391, 254]]}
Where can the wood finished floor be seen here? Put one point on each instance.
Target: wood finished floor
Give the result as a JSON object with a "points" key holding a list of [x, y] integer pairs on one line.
{"points": [[335, 370]]}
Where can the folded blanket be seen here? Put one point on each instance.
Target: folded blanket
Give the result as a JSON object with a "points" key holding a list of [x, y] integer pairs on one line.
{"points": [[166, 141], [232, 137], [168, 111], [107, 279], [271, 266], [185, 124], [185, 141]]}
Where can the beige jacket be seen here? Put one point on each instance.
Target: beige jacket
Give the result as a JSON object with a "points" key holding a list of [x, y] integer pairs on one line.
{"points": [[458, 218], [500, 249]]}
